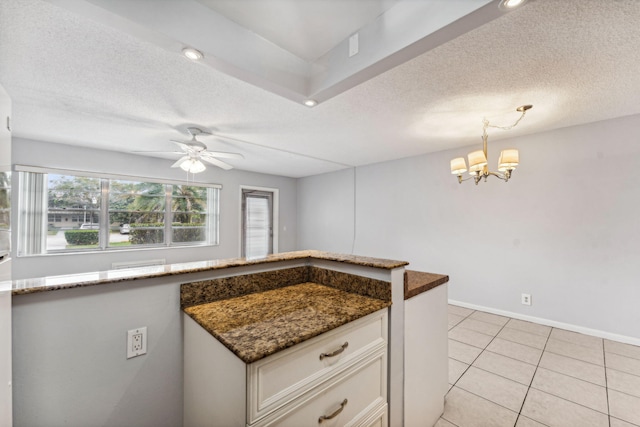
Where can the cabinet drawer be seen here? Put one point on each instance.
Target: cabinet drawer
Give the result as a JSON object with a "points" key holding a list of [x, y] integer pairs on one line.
{"points": [[356, 397], [275, 380], [377, 417]]}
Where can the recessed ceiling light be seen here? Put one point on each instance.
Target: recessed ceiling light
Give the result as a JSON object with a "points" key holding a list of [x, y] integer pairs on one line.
{"points": [[192, 54], [511, 4], [310, 102]]}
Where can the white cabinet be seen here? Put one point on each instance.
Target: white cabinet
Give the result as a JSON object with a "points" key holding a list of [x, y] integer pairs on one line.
{"points": [[426, 357], [339, 377]]}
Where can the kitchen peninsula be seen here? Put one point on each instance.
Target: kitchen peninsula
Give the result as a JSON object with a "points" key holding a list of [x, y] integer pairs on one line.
{"points": [[341, 295]]}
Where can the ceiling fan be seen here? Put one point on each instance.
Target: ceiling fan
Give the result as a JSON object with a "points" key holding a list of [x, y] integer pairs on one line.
{"points": [[194, 152]]}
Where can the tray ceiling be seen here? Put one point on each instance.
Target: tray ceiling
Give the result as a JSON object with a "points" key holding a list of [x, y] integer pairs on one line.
{"points": [[81, 74]]}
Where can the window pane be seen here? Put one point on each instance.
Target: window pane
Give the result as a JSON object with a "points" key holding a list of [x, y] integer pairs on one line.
{"points": [[136, 213], [73, 212], [189, 209]]}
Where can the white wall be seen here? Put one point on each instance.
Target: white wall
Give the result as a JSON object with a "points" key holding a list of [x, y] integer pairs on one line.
{"points": [[44, 154], [565, 229]]}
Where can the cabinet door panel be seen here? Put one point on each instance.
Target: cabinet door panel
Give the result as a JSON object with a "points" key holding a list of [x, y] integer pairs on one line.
{"points": [[276, 380], [363, 387]]}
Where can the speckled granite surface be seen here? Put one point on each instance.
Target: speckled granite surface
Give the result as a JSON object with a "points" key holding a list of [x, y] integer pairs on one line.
{"points": [[40, 284], [417, 282], [205, 291], [256, 325], [373, 288]]}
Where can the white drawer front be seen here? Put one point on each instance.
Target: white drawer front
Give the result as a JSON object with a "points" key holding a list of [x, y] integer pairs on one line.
{"points": [[348, 399], [280, 378], [377, 417]]}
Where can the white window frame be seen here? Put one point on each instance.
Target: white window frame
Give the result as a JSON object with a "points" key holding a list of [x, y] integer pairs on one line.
{"points": [[213, 211]]}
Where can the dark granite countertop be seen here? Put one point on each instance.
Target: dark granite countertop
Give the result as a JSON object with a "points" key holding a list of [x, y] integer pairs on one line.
{"points": [[417, 282], [257, 325], [69, 281]]}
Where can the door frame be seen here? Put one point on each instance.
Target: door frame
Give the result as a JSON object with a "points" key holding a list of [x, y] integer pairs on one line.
{"points": [[275, 213]]}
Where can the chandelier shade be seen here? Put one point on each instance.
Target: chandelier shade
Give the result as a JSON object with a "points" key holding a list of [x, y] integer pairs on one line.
{"points": [[509, 159], [458, 166], [477, 161]]}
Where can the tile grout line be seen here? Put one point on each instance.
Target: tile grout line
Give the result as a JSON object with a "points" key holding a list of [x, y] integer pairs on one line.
{"points": [[471, 364], [537, 366], [574, 358], [571, 376], [503, 338], [567, 400], [622, 355], [606, 383], [463, 372], [570, 401], [532, 377], [453, 385], [576, 333], [488, 400]]}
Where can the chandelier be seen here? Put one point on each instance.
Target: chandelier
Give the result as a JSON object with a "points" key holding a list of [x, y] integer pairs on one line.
{"points": [[478, 168]]}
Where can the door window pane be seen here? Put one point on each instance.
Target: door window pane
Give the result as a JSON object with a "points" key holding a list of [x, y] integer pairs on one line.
{"points": [[257, 219]]}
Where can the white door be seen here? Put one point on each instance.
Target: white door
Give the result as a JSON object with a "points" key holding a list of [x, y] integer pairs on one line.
{"points": [[257, 223]]}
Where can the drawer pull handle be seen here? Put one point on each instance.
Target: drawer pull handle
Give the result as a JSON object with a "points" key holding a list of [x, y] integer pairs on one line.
{"points": [[335, 414], [336, 352]]}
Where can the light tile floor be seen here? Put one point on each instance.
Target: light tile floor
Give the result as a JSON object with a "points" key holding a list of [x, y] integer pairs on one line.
{"points": [[507, 372]]}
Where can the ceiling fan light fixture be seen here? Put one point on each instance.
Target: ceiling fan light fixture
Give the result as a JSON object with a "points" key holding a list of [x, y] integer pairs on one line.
{"points": [[511, 4], [193, 166], [192, 54], [310, 102]]}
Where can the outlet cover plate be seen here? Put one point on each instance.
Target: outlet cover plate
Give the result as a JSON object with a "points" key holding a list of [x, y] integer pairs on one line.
{"points": [[136, 342], [526, 299]]}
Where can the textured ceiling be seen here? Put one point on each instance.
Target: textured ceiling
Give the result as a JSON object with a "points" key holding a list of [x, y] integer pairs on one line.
{"points": [[301, 27], [79, 82]]}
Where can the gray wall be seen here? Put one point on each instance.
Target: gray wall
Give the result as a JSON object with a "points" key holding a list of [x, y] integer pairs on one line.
{"points": [[565, 229], [69, 346], [44, 154], [69, 357]]}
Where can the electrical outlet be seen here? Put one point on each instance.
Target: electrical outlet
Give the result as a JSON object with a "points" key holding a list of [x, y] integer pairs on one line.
{"points": [[136, 342], [526, 299]]}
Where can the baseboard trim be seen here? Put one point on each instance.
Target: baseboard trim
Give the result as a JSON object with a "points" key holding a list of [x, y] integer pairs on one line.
{"points": [[568, 326]]}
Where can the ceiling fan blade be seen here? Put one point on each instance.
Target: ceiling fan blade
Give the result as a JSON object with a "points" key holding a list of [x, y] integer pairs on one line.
{"points": [[222, 155], [218, 163], [160, 152], [183, 146], [180, 161]]}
